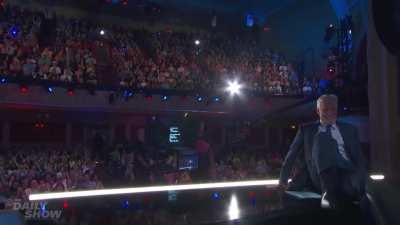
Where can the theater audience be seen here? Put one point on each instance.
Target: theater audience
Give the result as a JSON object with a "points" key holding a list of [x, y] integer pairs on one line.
{"points": [[246, 166], [35, 169], [32, 169], [139, 58]]}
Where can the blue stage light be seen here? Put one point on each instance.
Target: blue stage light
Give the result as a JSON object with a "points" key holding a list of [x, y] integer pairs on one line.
{"points": [[50, 89], [128, 93], [13, 31], [200, 98], [3, 80], [125, 204], [215, 195], [164, 98], [249, 20], [216, 99]]}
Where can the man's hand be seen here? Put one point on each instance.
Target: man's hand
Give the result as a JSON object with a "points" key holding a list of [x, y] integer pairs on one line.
{"points": [[283, 186]]}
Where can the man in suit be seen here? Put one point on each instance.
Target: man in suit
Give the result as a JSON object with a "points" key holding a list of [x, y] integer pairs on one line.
{"points": [[330, 154]]}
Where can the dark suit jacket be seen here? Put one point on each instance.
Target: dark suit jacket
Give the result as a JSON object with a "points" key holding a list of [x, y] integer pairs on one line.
{"points": [[302, 147]]}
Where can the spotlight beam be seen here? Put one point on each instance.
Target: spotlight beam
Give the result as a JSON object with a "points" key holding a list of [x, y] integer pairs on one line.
{"points": [[234, 87], [377, 176], [137, 190]]}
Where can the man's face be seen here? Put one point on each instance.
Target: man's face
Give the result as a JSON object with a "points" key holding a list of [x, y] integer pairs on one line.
{"points": [[327, 112]]}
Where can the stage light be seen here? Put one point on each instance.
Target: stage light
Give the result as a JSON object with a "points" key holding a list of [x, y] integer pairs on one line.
{"points": [[39, 125], [127, 93], [126, 204], [65, 205], [3, 80], [23, 89], [293, 126], [200, 98], [252, 194], [172, 196], [102, 32], [137, 190], [377, 177], [146, 199], [70, 92], [164, 98], [216, 99], [249, 20], [233, 211], [197, 42], [329, 33], [268, 193], [215, 195], [50, 90], [42, 206], [14, 31], [234, 87], [149, 97]]}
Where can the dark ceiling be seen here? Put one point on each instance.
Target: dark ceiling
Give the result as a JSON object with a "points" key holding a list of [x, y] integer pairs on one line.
{"points": [[265, 6]]}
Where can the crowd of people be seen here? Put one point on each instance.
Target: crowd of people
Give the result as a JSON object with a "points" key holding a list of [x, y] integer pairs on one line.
{"points": [[27, 169], [32, 169], [246, 166], [144, 166], [28, 51], [138, 166], [43, 46]]}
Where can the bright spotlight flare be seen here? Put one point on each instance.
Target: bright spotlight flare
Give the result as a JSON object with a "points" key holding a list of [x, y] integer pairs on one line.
{"points": [[233, 210], [377, 176], [234, 87], [136, 190]]}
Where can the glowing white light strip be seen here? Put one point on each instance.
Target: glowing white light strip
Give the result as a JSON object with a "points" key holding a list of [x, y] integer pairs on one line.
{"points": [[136, 190], [377, 177], [233, 211]]}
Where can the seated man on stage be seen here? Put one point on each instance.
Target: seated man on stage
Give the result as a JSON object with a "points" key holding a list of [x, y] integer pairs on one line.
{"points": [[331, 155]]}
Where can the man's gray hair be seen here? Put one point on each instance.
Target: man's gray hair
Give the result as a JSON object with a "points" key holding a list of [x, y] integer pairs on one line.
{"points": [[330, 99]]}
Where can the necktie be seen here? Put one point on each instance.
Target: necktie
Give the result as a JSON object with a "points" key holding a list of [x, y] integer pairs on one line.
{"points": [[329, 128], [340, 150]]}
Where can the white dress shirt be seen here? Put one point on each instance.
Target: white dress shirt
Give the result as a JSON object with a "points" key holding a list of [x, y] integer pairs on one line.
{"points": [[337, 136]]}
